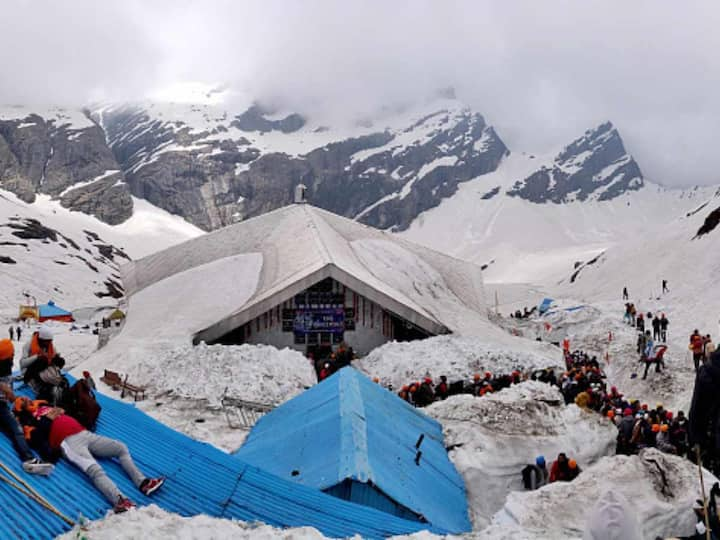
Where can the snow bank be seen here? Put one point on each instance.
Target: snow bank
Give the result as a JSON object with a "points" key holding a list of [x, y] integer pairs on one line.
{"points": [[250, 372], [661, 489], [492, 438], [154, 522], [186, 384], [457, 357]]}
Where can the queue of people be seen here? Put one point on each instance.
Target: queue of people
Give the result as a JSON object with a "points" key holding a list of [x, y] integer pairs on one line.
{"points": [[423, 393], [645, 322]]}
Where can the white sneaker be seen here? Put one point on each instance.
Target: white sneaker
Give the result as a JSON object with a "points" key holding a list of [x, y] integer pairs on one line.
{"points": [[35, 466]]}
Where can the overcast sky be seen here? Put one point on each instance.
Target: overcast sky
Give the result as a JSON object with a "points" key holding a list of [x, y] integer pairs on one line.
{"points": [[541, 71]]}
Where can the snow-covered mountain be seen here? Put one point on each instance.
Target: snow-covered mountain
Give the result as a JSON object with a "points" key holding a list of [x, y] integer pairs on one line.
{"points": [[214, 166], [534, 217], [50, 252], [433, 171], [595, 166], [219, 157]]}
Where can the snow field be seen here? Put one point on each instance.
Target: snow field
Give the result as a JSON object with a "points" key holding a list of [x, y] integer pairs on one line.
{"points": [[539, 243]]}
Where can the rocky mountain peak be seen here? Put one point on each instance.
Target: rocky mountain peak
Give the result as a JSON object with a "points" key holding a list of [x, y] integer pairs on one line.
{"points": [[594, 166]]}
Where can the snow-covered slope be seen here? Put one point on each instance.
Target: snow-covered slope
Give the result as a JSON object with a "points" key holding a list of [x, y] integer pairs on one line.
{"points": [[70, 257], [689, 262], [522, 240]]}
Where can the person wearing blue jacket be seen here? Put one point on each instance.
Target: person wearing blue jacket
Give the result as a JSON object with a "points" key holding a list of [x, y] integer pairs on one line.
{"points": [[648, 356]]}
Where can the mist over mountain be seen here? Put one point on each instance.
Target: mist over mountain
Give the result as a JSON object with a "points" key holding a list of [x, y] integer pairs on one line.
{"points": [[540, 74]]}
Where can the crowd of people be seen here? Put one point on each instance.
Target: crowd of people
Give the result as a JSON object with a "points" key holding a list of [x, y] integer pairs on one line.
{"points": [[61, 420], [639, 426], [335, 361], [423, 393], [526, 313], [583, 383]]}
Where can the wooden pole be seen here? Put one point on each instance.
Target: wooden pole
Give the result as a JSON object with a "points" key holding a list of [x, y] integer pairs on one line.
{"points": [[702, 487], [31, 493]]}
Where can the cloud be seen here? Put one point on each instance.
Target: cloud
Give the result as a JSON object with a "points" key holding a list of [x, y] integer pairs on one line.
{"points": [[541, 72]]}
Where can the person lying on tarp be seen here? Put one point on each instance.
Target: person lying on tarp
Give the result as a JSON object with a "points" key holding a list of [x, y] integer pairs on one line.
{"points": [[62, 434]]}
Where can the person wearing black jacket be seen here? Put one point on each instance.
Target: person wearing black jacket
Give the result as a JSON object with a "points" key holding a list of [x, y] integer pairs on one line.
{"points": [[656, 328], [703, 425], [663, 327]]}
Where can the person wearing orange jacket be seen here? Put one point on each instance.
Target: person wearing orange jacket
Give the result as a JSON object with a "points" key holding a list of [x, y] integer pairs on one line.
{"points": [[41, 365]]}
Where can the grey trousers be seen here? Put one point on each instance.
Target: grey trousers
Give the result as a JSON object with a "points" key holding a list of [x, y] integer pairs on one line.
{"points": [[82, 449]]}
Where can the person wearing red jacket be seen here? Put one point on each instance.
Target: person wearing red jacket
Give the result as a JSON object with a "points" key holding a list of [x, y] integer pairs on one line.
{"points": [[80, 447], [696, 346], [560, 470]]}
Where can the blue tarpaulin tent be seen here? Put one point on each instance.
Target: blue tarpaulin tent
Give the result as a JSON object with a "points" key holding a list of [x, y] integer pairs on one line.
{"points": [[545, 305], [353, 439], [200, 480], [50, 311]]}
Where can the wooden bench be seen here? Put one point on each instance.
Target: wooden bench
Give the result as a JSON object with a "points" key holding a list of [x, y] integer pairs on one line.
{"points": [[138, 392], [113, 379]]}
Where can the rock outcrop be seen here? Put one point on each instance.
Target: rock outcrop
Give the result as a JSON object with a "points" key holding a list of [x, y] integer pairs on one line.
{"points": [[62, 154]]}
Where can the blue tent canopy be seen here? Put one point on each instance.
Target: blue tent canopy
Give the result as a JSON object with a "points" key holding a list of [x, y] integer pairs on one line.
{"points": [[545, 305], [50, 310], [352, 438], [200, 480]]}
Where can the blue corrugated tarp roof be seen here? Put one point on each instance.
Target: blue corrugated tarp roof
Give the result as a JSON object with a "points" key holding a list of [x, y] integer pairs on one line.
{"points": [[200, 480], [348, 427], [51, 310]]}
